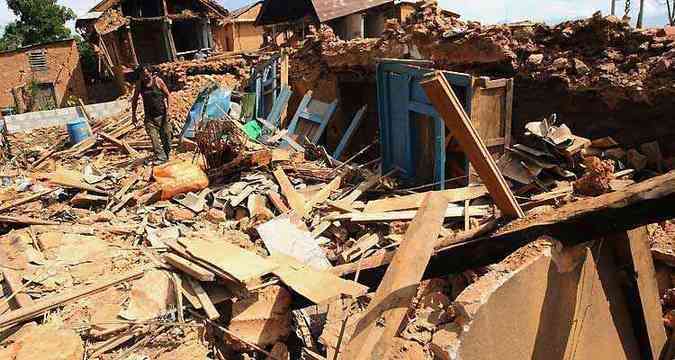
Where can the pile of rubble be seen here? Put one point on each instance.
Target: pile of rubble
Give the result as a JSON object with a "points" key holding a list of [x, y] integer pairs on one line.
{"points": [[268, 248]]}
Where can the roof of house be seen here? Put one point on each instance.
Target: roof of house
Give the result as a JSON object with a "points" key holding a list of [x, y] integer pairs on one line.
{"points": [[211, 4], [278, 11], [247, 12]]}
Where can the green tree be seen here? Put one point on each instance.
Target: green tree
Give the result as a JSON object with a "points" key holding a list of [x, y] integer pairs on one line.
{"points": [[37, 21]]}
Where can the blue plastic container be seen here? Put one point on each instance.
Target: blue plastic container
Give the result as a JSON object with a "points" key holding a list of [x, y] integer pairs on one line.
{"points": [[78, 131]]}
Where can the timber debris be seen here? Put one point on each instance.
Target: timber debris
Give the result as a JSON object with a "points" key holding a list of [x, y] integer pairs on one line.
{"points": [[286, 231]]}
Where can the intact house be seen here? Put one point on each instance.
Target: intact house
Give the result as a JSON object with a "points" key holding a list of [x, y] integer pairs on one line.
{"points": [[41, 77], [126, 33], [241, 33], [349, 19]]}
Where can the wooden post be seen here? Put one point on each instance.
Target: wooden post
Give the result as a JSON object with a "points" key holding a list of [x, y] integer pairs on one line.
{"points": [[132, 48], [372, 339], [448, 106], [635, 257]]}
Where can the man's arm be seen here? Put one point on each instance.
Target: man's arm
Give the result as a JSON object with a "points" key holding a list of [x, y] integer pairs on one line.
{"points": [[134, 105]]}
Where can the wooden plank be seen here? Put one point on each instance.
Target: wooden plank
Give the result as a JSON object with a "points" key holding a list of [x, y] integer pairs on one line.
{"points": [[181, 250], [40, 307], [453, 211], [317, 286], [322, 195], [24, 220], [349, 133], [190, 268], [382, 319], [73, 179], [120, 143], [12, 280], [240, 264], [634, 249], [362, 245], [370, 181], [446, 103], [415, 200], [204, 299], [295, 200], [278, 202], [25, 200]]}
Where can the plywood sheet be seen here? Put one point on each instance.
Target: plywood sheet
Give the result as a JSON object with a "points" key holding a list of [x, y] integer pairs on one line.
{"points": [[241, 264]]}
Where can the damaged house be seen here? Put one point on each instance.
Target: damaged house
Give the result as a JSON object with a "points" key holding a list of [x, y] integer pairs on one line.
{"points": [[126, 33], [349, 19], [41, 76], [241, 33]]}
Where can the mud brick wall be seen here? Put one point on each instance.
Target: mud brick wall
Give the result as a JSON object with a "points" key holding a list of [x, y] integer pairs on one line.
{"points": [[63, 70]]}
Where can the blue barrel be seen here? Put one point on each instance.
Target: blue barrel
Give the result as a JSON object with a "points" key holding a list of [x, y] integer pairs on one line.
{"points": [[78, 131]]}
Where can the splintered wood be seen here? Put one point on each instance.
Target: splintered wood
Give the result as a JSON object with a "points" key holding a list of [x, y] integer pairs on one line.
{"points": [[371, 339]]}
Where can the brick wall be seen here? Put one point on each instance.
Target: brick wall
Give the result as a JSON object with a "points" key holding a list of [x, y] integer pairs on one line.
{"points": [[63, 71]]}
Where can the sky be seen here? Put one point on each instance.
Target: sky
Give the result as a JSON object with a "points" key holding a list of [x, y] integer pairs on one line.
{"points": [[485, 11]]}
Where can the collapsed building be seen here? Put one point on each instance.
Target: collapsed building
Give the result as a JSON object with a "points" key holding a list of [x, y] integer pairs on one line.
{"points": [[377, 218], [127, 33]]}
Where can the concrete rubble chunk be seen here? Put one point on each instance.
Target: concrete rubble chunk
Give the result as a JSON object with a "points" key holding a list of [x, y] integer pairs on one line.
{"points": [[150, 296], [542, 287], [178, 214]]}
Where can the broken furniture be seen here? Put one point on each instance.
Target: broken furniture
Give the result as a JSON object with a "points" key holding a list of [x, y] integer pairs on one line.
{"points": [[413, 137], [311, 118]]}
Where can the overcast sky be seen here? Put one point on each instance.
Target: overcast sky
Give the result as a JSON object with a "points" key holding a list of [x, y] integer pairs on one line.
{"points": [[486, 11]]}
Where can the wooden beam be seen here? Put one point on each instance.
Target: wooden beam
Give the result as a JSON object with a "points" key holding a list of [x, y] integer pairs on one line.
{"points": [[381, 321], [633, 251], [40, 307], [451, 212], [190, 268], [570, 217], [204, 299], [322, 195], [278, 202], [415, 200], [24, 220], [120, 144], [25, 200], [295, 200], [446, 103]]}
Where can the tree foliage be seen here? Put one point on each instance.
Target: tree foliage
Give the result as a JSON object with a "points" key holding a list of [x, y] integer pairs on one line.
{"points": [[37, 21]]}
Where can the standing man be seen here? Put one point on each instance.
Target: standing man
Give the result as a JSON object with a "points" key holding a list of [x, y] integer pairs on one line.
{"points": [[156, 98]]}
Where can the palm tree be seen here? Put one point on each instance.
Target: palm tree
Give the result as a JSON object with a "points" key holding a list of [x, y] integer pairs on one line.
{"points": [[613, 7]]}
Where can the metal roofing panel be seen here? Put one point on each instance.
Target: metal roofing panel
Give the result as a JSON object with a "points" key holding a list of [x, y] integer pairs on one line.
{"points": [[331, 9]]}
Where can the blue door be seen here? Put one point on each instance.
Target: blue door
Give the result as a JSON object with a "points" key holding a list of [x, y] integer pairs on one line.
{"points": [[407, 118]]}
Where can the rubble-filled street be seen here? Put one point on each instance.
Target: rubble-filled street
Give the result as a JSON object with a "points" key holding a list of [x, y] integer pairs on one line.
{"points": [[264, 184]]}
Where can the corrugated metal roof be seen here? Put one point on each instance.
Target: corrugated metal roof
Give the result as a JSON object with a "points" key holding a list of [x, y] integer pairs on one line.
{"points": [[332, 9]]}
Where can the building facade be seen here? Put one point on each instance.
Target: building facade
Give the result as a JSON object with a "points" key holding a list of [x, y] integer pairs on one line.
{"points": [[41, 77]]}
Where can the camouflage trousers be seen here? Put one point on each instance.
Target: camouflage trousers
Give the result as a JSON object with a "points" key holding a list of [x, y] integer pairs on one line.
{"points": [[160, 131]]}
